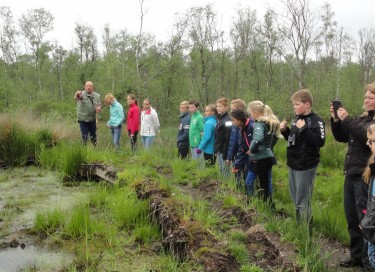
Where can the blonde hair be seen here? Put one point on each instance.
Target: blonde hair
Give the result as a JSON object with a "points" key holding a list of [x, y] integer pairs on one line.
{"points": [[239, 104], [212, 108], [267, 116], [185, 103], [109, 98], [367, 173], [371, 88]]}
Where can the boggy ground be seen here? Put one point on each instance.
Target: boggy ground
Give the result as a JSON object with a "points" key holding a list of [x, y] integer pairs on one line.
{"points": [[27, 190]]}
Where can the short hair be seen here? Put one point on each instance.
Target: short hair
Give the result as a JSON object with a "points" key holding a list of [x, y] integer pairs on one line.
{"points": [[223, 101], [240, 115], [194, 102], [303, 95], [185, 103], [239, 104], [109, 97], [370, 87], [212, 108]]}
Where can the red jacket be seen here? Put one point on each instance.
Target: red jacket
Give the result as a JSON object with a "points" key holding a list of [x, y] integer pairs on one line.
{"points": [[133, 119]]}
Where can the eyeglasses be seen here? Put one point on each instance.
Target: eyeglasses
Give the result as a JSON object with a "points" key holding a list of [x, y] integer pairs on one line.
{"points": [[370, 142]]}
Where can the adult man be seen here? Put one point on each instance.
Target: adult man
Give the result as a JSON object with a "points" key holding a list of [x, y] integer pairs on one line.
{"points": [[88, 104]]}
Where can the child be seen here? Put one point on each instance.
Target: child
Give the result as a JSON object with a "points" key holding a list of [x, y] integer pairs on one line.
{"points": [[183, 130], [207, 143], [305, 138], [196, 128], [368, 222], [266, 127], [116, 119], [133, 120], [150, 125], [222, 135]]}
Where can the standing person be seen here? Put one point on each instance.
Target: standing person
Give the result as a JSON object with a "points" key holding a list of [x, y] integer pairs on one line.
{"points": [[368, 221], [133, 120], [207, 143], [150, 125], [233, 141], [183, 130], [88, 106], [305, 138], [196, 128], [266, 127], [116, 113], [242, 159], [222, 135], [352, 130]]}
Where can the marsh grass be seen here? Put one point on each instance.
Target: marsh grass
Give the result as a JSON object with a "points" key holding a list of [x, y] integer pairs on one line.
{"points": [[250, 268], [239, 251], [49, 222], [206, 215]]}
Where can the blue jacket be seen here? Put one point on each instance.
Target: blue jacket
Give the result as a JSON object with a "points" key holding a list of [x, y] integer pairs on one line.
{"points": [[116, 112], [183, 131], [245, 137], [233, 143], [208, 140]]}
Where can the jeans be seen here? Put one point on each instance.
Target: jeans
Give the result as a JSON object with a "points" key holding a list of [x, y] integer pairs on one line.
{"points": [[86, 129], [224, 168], [116, 135], [371, 254], [250, 180], [301, 183], [147, 141], [195, 155]]}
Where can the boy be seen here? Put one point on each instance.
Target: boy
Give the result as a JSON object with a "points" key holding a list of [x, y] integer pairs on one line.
{"points": [[305, 138], [183, 130], [196, 128]]}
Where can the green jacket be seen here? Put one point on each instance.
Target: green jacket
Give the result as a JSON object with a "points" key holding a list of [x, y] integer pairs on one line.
{"points": [[86, 106], [260, 146], [196, 129]]}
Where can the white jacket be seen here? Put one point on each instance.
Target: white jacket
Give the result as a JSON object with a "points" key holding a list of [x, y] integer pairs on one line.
{"points": [[149, 122]]}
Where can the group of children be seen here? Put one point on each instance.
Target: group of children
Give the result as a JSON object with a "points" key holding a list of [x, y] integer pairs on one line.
{"points": [[244, 138]]}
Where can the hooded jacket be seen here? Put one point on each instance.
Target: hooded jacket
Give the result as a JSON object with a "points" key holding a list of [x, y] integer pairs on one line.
{"points": [[207, 142], [222, 134], [183, 130], [354, 132], [304, 144], [149, 122]]}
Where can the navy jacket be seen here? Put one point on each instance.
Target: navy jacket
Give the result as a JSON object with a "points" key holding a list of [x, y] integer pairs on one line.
{"points": [[183, 131], [245, 137], [233, 143]]}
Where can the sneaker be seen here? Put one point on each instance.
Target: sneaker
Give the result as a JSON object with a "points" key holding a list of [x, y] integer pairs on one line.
{"points": [[350, 262]]}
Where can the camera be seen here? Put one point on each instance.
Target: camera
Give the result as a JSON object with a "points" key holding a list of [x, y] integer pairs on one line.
{"points": [[336, 105]]}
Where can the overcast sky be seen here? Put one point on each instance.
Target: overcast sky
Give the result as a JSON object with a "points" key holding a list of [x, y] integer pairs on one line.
{"points": [[160, 14]]}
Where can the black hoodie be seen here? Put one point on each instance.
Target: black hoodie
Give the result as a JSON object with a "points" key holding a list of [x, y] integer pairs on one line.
{"points": [[304, 143]]}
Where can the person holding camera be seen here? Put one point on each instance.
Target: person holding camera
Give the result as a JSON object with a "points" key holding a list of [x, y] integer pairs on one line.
{"points": [[353, 130]]}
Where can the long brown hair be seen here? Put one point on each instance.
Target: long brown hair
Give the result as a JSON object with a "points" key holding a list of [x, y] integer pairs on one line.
{"points": [[367, 173]]}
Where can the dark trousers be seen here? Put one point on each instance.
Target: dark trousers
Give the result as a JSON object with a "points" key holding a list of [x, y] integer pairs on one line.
{"points": [[209, 159], [355, 201], [183, 152], [261, 168], [133, 140], [86, 129]]}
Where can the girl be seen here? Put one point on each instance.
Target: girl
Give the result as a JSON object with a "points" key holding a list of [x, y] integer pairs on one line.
{"points": [[207, 143], [368, 222], [116, 118], [266, 127], [149, 124], [133, 120]]}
